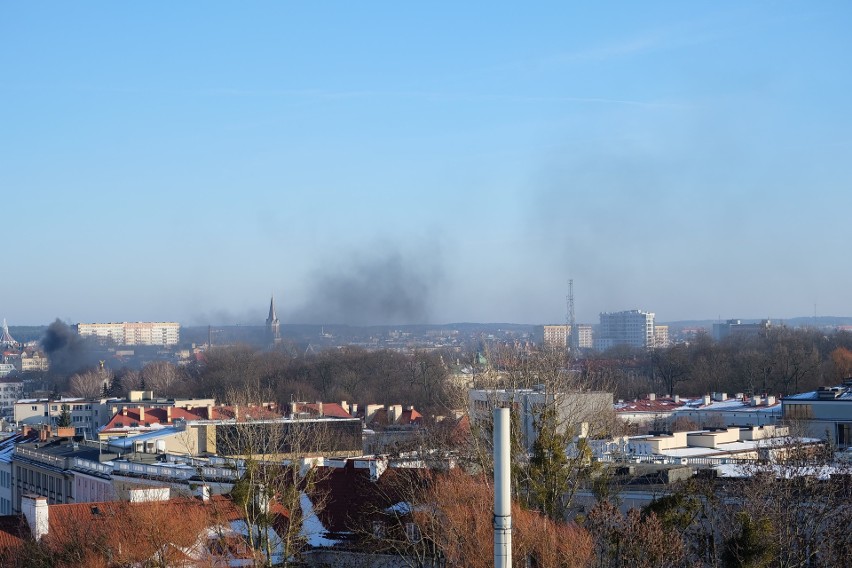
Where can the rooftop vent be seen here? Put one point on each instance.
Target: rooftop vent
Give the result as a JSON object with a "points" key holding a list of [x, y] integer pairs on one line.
{"points": [[828, 393]]}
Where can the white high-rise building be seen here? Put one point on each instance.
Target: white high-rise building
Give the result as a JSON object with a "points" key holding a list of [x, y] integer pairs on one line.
{"points": [[633, 327], [584, 336]]}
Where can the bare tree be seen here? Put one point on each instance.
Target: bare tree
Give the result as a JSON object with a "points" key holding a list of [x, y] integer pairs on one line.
{"points": [[160, 377], [90, 384], [456, 520], [277, 471]]}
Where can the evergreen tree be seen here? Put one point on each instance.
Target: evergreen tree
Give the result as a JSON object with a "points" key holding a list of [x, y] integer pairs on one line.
{"points": [[753, 546], [64, 417], [548, 479]]}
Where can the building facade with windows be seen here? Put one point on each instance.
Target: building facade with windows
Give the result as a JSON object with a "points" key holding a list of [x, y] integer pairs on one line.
{"points": [[34, 361], [10, 391], [557, 335], [132, 333], [50, 467], [632, 327], [736, 328], [661, 336], [584, 336], [825, 413], [573, 409], [88, 415]]}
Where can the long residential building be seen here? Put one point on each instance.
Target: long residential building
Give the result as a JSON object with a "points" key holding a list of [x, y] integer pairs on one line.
{"points": [[133, 333]]}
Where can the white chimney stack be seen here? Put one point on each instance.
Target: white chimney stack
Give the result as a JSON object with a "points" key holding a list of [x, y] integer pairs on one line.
{"points": [[34, 508], [502, 490]]}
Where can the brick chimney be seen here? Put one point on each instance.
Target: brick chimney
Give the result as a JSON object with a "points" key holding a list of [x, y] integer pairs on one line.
{"points": [[34, 508], [168, 415], [124, 411], [319, 408], [141, 414]]}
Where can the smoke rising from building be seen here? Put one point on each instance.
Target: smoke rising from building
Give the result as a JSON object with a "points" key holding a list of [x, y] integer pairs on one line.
{"points": [[67, 351]]}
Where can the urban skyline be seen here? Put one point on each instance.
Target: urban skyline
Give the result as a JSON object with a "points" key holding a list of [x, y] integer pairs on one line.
{"points": [[402, 166]]}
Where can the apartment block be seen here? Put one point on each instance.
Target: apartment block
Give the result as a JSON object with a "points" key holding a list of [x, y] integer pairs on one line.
{"points": [[132, 333]]}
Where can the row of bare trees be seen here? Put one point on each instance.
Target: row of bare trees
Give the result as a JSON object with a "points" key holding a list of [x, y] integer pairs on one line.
{"points": [[782, 361]]}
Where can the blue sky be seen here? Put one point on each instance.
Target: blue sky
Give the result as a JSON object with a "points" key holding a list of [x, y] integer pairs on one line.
{"points": [[438, 162]]}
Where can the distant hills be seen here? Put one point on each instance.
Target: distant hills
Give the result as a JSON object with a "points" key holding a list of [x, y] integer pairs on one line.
{"points": [[199, 333], [820, 322]]}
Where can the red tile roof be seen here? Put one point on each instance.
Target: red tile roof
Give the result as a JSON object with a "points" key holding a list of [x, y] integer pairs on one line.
{"points": [[253, 412], [13, 531], [329, 409], [406, 418], [218, 509], [410, 417], [158, 415], [350, 498], [153, 415]]}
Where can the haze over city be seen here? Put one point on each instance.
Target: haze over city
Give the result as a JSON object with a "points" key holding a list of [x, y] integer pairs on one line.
{"points": [[444, 162]]}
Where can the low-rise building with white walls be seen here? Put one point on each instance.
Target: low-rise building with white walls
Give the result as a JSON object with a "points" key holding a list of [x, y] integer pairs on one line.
{"points": [[575, 411], [719, 410], [824, 413]]}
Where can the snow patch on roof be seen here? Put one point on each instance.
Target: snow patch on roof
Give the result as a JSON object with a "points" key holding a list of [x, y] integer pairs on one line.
{"points": [[312, 529]]}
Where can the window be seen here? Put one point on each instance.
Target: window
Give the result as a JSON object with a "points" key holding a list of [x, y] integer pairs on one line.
{"points": [[412, 532], [799, 411]]}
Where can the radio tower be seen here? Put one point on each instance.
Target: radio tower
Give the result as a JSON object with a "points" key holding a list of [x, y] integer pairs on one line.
{"points": [[569, 316]]}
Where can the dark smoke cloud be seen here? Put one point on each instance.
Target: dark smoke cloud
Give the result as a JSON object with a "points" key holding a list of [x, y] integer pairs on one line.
{"points": [[67, 351], [389, 287]]}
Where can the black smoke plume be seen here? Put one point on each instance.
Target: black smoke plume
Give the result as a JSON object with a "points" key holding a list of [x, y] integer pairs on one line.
{"points": [[68, 352], [387, 288]]}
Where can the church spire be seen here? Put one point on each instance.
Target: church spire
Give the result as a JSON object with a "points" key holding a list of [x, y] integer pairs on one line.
{"points": [[273, 326], [6, 340], [272, 317]]}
